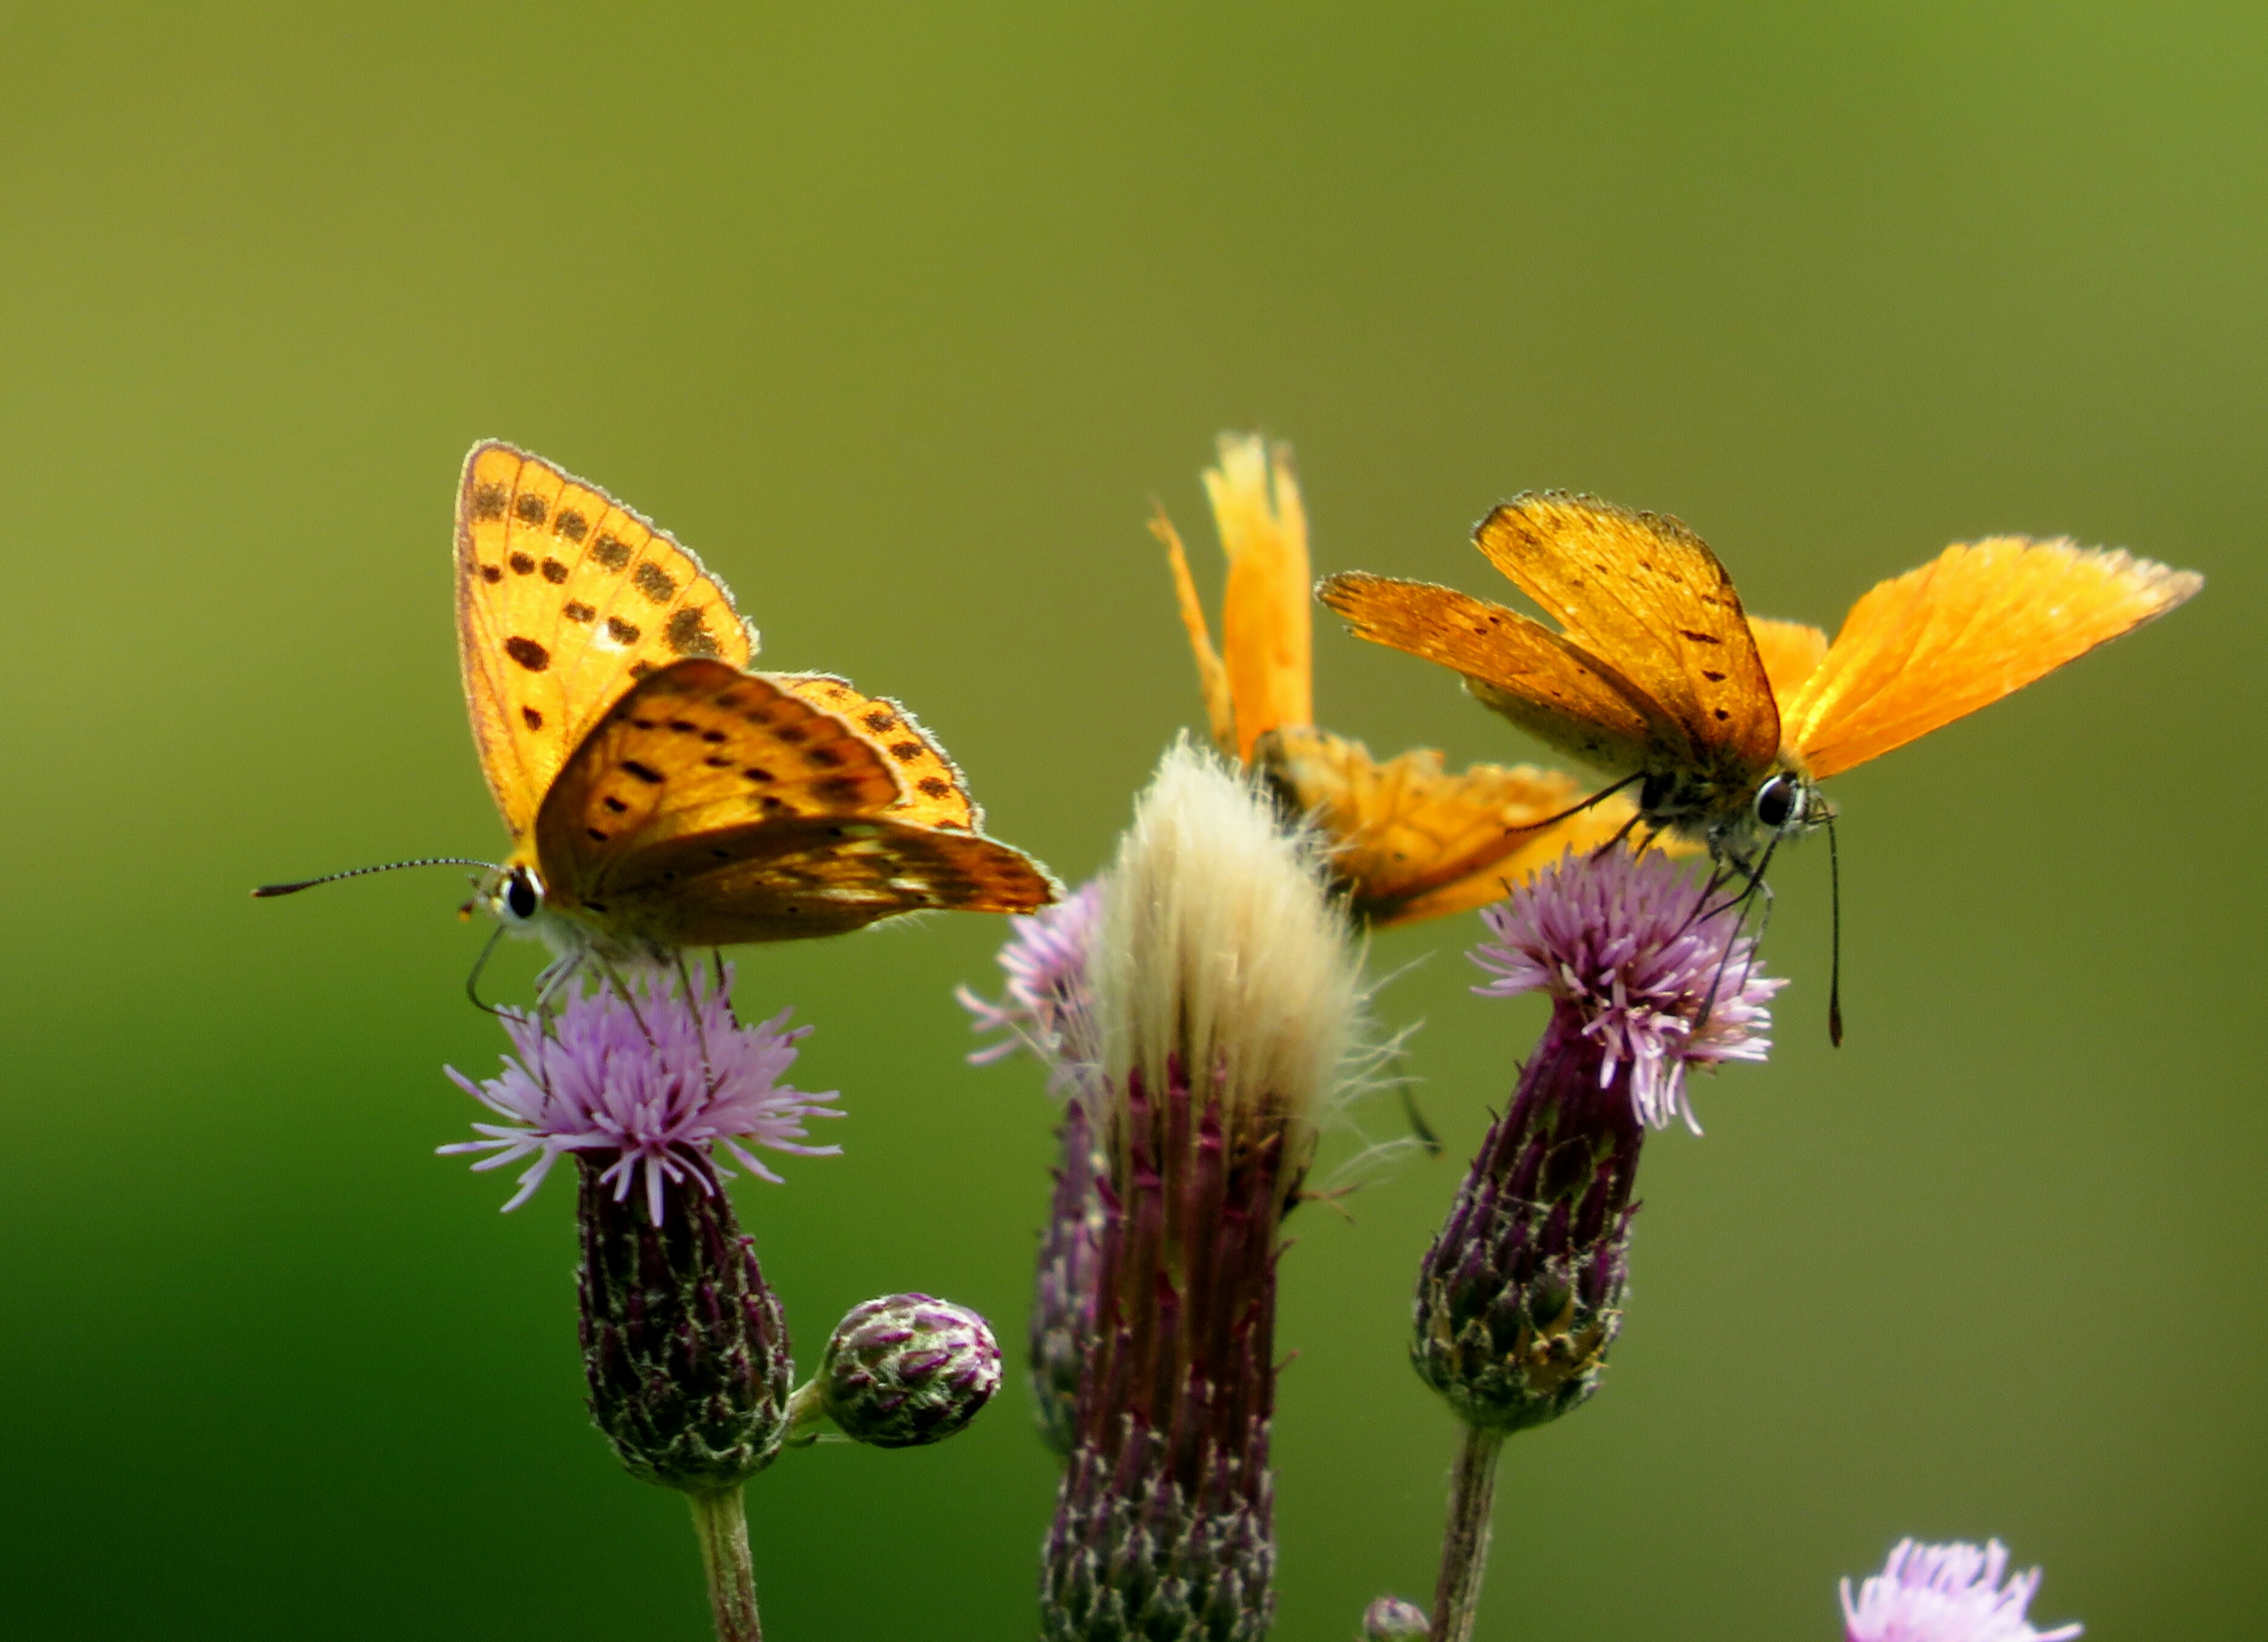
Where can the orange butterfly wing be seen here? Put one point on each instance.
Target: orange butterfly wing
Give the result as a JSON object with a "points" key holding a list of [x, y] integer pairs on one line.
{"points": [[1413, 842], [935, 793], [1980, 621], [1790, 651], [1645, 595], [712, 807], [1547, 686], [564, 598]]}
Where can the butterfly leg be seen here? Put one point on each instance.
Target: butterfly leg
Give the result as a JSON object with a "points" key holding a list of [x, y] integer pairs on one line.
{"points": [[622, 990], [700, 1032], [1758, 889], [473, 981]]}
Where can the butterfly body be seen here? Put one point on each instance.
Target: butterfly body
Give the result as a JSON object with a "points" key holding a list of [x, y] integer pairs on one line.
{"points": [[658, 794], [1727, 724]]}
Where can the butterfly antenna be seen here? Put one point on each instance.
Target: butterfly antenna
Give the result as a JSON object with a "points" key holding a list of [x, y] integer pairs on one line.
{"points": [[1834, 938], [266, 890]]}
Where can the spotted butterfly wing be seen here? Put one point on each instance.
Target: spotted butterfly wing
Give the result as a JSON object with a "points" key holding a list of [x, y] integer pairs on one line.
{"points": [[565, 599], [711, 806], [935, 793]]}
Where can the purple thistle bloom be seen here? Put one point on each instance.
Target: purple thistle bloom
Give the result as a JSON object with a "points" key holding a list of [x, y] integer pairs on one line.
{"points": [[1946, 1594], [659, 1084], [1048, 999], [1621, 940]]}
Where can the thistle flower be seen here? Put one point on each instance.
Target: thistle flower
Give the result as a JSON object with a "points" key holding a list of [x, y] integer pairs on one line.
{"points": [[655, 1082], [1407, 840], [1619, 942], [1226, 1000], [1047, 1001], [907, 1370], [1522, 1292], [1946, 1594]]}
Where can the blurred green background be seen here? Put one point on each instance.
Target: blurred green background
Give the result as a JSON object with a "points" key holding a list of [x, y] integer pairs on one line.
{"points": [[900, 318]]}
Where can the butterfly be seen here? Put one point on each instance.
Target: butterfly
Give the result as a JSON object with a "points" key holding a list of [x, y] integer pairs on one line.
{"points": [[1726, 725], [658, 794], [1409, 839]]}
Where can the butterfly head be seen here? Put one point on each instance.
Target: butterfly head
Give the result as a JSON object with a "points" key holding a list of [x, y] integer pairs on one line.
{"points": [[513, 894]]}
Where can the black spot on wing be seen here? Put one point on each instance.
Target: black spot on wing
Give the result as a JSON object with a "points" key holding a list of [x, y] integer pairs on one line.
{"points": [[611, 550], [530, 509], [571, 524], [528, 653], [654, 582], [488, 501]]}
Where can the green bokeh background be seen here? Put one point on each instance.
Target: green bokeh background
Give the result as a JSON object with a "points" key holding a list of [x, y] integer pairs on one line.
{"points": [[900, 318]]}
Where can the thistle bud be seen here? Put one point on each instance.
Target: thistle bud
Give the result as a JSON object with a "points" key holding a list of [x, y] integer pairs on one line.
{"points": [[1390, 1619], [906, 1370]]}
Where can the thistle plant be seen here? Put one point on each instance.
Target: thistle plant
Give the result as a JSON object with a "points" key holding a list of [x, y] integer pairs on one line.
{"points": [[685, 1347], [1521, 1293], [1225, 1001]]}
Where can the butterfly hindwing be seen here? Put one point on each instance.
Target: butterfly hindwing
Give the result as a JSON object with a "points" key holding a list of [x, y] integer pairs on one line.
{"points": [[566, 598], [1645, 592], [821, 875], [934, 792], [1981, 619]]}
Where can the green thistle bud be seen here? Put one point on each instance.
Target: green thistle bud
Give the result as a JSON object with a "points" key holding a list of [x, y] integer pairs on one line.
{"points": [[906, 1370]]}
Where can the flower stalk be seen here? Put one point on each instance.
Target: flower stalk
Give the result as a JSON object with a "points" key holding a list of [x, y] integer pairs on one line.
{"points": [[720, 1520]]}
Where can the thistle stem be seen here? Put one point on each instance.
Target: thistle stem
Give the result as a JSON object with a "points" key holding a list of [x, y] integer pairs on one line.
{"points": [[723, 1525], [1465, 1540]]}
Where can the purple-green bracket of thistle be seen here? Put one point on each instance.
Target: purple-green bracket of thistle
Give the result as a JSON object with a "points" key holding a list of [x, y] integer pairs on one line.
{"points": [[1649, 975], [900, 1372]]}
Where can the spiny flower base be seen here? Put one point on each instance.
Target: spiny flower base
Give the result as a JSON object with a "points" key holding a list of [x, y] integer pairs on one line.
{"points": [[1521, 1293], [684, 1347], [1134, 1557]]}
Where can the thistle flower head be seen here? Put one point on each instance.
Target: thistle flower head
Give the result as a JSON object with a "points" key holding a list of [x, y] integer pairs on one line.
{"points": [[1946, 1594], [1648, 956], [1218, 959], [1048, 1001], [659, 1079]]}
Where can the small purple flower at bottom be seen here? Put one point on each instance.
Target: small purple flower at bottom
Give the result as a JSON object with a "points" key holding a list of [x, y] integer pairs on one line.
{"points": [[1946, 1594], [659, 1081]]}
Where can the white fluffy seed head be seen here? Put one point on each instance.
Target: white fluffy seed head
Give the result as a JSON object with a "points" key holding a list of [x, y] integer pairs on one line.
{"points": [[1218, 948]]}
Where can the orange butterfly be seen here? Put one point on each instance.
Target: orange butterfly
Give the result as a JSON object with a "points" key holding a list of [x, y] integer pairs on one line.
{"points": [[659, 795], [1727, 724], [1410, 840]]}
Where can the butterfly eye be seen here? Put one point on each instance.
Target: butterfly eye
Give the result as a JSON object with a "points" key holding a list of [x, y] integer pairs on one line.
{"points": [[1776, 802], [522, 894]]}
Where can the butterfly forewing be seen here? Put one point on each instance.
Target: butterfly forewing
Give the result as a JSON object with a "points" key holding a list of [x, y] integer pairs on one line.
{"points": [[1979, 621], [1646, 594], [694, 748], [1520, 668], [564, 598]]}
